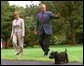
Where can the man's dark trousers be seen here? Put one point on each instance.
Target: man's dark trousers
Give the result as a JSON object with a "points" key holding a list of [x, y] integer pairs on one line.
{"points": [[44, 41]]}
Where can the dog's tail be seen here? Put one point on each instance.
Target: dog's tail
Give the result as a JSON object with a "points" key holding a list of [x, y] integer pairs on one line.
{"points": [[65, 50]]}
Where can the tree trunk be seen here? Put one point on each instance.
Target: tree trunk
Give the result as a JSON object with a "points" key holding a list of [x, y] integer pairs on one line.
{"points": [[73, 38]]}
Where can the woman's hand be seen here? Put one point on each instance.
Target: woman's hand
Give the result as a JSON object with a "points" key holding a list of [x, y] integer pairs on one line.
{"points": [[22, 37]]}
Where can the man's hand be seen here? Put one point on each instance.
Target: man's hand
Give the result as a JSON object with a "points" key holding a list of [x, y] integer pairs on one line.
{"points": [[58, 14]]}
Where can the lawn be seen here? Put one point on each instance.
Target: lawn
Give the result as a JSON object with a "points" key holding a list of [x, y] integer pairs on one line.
{"points": [[75, 53]]}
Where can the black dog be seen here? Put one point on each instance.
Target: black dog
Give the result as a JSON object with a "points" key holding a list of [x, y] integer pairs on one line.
{"points": [[61, 57]]}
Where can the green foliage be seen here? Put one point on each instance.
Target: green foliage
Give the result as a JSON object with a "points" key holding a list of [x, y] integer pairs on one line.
{"points": [[59, 39], [5, 20]]}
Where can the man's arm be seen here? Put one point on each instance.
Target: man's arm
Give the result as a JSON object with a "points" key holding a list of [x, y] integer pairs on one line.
{"points": [[36, 26], [37, 23], [54, 16]]}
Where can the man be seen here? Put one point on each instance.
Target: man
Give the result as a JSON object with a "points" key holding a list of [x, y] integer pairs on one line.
{"points": [[44, 28], [18, 33]]}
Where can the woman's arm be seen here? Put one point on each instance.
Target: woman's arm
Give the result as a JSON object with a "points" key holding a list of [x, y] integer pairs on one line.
{"points": [[12, 31], [23, 28]]}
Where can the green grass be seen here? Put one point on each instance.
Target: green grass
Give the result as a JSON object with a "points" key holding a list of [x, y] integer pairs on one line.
{"points": [[75, 53]]}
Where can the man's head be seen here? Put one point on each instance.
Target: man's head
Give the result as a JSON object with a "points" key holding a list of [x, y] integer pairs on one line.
{"points": [[43, 7], [16, 14]]}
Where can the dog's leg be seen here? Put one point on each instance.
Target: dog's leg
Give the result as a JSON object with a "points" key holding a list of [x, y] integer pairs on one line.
{"points": [[55, 61], [67, 60]]}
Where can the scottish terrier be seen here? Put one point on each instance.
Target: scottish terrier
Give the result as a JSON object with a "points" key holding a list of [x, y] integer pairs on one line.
{"points": [[61, 57]]}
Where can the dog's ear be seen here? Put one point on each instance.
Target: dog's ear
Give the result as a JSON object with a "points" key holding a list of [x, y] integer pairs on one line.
{"points": [[56, 52], [52, 51]]}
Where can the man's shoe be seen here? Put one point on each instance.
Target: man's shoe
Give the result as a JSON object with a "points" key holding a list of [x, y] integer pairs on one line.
{"points": [[21, 50], [46, 52], [17, 53]]}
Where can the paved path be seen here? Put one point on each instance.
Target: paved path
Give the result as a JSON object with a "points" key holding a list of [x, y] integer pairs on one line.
{"points": [[22, 62]]}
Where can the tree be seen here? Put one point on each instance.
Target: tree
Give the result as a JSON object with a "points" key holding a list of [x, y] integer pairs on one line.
{"points": [[5, 20]]}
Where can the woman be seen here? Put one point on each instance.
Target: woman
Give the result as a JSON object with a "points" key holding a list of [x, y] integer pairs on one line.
{"points": [[18, 33]]}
